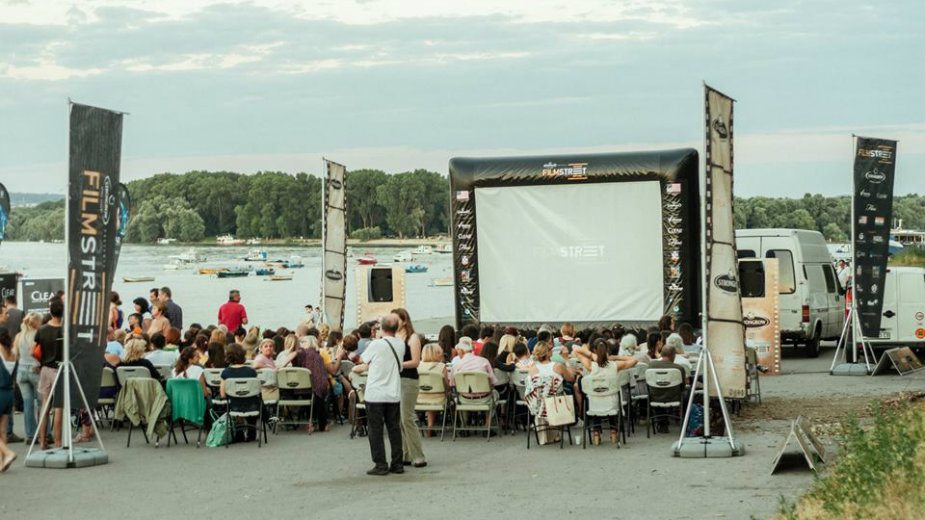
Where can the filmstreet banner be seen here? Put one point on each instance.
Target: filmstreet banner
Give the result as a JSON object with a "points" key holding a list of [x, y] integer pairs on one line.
{"points": [[92, 227], [334, 241], [874, 166], [4, 211], [124, 204], [724, 327], [37, 291]]}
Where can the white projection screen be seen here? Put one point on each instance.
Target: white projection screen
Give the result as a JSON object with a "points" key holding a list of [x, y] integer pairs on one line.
{"points": [[570, 252]]}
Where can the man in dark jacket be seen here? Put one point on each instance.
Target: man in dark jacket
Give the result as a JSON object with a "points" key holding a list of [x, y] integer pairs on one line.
{"points": [[174, 312]]}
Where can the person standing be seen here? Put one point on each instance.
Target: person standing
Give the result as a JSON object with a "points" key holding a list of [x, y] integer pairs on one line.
{"points": [[14, 316], [51, 339], [232, 314], [28, 376], [383, 396], [174, 312], [8, 366], [412, 450]]}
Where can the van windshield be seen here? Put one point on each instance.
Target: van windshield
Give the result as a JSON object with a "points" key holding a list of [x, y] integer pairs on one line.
{"points": [[788, 282]]}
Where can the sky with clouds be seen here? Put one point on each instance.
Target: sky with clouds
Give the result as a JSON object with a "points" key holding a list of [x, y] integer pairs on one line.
{"points": [[403, 84]]}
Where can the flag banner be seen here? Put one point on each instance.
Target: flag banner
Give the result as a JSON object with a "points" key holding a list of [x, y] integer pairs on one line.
{"points": [[759, 284], [4, 211], [124, 208], [874, 167], [334, 241], [725, 328], [93, 220], [37, 291], [9, 282]]}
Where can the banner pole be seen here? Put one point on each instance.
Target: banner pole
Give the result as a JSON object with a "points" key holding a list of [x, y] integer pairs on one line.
{"points": [[324, 243], [67, 305]]}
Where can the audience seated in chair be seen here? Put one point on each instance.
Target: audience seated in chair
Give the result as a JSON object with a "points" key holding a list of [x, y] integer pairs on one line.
{"points": [[234, 359]]}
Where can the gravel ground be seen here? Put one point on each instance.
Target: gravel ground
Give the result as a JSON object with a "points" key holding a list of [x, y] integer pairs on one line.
{"points": [[322, 475]]}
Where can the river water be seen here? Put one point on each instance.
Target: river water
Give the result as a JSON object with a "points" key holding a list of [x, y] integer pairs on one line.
{"points": [[269, 303]]}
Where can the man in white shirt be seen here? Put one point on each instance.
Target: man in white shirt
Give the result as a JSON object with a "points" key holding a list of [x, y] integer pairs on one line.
{"points": [[382, 362]]}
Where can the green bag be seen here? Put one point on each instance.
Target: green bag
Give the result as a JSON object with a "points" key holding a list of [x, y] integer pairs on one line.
{"points": [[218, 435]]}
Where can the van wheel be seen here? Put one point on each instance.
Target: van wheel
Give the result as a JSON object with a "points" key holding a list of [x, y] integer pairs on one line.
{"points": [[812, 344]]}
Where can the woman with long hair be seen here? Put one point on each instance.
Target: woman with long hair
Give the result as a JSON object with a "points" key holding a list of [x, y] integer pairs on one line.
{"points": [[412, 450], [216, 352], [28, 375], [134, 356], [188, 367], [115, 313], [290, 344], [307, 355], [447, 341], [432, 363]]}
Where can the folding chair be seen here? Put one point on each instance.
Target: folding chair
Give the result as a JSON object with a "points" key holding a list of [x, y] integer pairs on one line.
{"points": [[213, 379], [137, 395], [166, 371], [237, 390], [504, 381], [357, 403], [432, 397], [666, 392], [124, 373], [108, 385], [269, 393], [639, 394], [519, 384], [187, 406], [295, 389], [474, 384], [604, 396]]}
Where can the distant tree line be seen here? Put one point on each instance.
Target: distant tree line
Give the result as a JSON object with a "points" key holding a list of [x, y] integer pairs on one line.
{"points": [[276, 205]]}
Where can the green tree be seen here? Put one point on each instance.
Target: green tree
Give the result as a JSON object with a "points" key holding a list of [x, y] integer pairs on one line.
{"points": [[833, 233], [363, 208]]}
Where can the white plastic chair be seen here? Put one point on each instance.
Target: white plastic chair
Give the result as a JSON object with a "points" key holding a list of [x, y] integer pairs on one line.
{"points": [[431, 384], [294, 379], [604, 398], [474, 383], [236, 390], [664, 378]]}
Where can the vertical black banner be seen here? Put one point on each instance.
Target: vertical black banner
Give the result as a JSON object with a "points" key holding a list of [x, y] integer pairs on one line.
{"points": [[93, 221], [124, 208], [8, 284], [4, 211], [874, 166]]}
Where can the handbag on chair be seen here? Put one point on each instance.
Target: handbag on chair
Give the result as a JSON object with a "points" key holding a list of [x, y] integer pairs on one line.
{"points": [[560, 410]]}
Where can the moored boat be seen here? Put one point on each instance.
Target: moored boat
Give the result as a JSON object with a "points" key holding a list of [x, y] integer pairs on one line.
{"points": [[212, 270], [280, 277], [442, 282], [367, 260], [234, 273], [256, 255], [265, 271], [137, 279], [415, 268], [403, 256]]}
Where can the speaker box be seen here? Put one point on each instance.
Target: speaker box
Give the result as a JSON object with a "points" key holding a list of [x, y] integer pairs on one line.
{"points": [[379, 290]]}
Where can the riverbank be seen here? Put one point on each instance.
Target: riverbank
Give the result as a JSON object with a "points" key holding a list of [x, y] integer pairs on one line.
{"points": [[434, 242]]}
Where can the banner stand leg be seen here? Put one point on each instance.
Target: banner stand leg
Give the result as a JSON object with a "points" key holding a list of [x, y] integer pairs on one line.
{"points": [[67, 456], [707, 446], [851, 334]]}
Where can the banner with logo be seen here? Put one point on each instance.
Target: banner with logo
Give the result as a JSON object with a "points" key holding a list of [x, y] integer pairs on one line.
{"points": [[874, 167], [9, 282], [4, 211], [93, 221], [37, 291], [725, 330], [334, 241], [761, 316], [124, 207]]}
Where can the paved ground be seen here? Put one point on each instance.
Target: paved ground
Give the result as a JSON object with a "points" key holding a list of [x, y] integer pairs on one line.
{"points": [[322, 475]]}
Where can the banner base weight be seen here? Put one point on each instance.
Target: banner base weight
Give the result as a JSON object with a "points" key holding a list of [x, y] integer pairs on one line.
{"points": [[58, 458], [850, 369], [708, 448]]}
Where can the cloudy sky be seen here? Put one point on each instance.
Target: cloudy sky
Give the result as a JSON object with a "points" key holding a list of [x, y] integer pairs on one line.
{"points": [[402, 84]]}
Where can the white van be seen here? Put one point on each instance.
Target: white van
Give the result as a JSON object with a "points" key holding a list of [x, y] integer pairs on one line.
{"points": [[903, 321], [812, 303]]}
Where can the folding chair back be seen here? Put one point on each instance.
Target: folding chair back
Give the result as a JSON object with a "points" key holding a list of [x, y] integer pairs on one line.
{"points": [[473, 383], [660, 381], [519, 381], [124, 373], [503, 378], [241, 388], [294, 378], [213, 377], [639, 378], [186, 400], [267, 377], [166, 371], [603, 391], [107, 382], [431, 383]]}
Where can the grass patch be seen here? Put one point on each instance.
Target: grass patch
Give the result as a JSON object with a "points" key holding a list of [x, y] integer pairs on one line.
{"points": [[909, 256], [880, 473]]}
